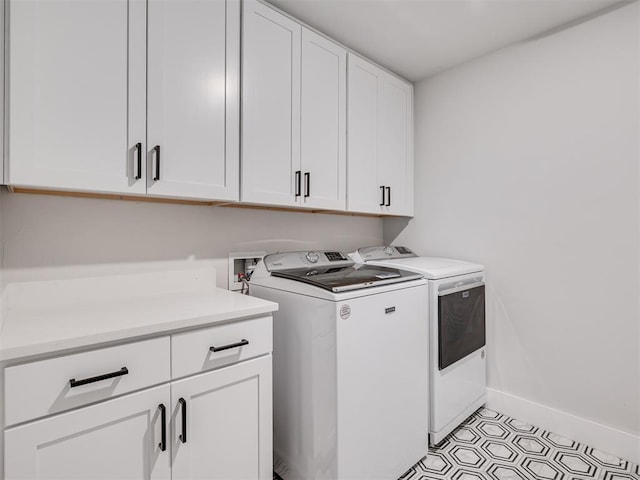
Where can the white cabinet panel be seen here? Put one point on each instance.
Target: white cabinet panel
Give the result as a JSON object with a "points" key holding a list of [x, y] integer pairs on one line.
{"points": [[117, 439], [44, 387], [3, 67], [380, 141], [77, 73], [193, 110], [363, 111], [395, 162], [228, 423], [294, 114], [323, 122], [270, 105], [191, 351]]}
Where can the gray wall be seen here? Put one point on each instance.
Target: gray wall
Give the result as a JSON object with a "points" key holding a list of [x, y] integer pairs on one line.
{"points": [[50, 231], [527, 162]]}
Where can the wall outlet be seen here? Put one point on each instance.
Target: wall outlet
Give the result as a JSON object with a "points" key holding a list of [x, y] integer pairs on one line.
{"points": [[242, 263]]}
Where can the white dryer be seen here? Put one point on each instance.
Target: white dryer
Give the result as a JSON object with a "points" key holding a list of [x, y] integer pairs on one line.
{"points": [[349, 369], [457, 363]]}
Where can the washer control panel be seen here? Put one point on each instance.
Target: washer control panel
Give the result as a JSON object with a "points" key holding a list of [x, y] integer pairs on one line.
{"points": [[384, 252], [290, 260], [335, 256]]}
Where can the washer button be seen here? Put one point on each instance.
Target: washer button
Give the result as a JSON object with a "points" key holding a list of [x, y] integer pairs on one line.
{"points": [[313, 257]]}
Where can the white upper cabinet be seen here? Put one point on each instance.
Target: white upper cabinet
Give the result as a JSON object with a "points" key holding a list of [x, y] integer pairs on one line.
{"points": [[142, 97], [77, 73], [380, 141], [363, 114], [270, 106], [395, 145], [323, 123], [293, 118], [82, 101], [2, 99], [193, 94]]}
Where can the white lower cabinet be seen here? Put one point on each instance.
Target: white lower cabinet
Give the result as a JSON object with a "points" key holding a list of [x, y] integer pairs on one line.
{"points": [[222, 428], [118, 439], [208, 421]]}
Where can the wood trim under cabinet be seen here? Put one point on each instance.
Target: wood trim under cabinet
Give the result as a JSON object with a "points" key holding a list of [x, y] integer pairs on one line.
{"points": [[109, 196], [299, 210], [133, 198]]}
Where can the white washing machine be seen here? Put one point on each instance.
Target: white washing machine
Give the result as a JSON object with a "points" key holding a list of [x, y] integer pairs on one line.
{"points": [[457, 363], [350, 377]]}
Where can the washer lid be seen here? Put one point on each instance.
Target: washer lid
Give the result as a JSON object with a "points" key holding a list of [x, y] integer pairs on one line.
{"points": [[433, 268], [347, 277]]}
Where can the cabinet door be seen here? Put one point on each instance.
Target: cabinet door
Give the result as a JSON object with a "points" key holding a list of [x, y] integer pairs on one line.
{"points": [[380, 141], [395, 143], [193, 112], [116, 439], [323, 122], [364, 84], [270, 106], [3, 167], [228, 423], [77, 73]]}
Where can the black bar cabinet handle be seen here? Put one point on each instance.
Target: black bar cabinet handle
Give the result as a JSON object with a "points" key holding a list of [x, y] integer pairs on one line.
{"points": [[231, 345], [76, 383], [183, 405], [156, 149], [298, 185], [388, 204], [383, 202], [163, 420], [139, 153], [307, 184]]}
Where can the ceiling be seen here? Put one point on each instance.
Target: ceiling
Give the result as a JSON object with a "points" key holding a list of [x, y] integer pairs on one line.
{"points": [[418, 38]]}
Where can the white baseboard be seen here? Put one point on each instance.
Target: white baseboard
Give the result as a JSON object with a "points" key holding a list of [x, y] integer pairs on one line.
{"points": [[616, 442]]}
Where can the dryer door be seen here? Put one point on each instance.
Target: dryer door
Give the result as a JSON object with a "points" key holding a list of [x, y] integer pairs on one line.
{"points": [[461, 323]]}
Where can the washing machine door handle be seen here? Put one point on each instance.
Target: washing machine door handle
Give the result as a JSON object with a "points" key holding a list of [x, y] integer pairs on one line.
{"points": [[460, 288]]}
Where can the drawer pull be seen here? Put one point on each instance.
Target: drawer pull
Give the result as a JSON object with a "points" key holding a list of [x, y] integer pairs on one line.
{"points": [[231, 345], [76, 383], [156, 149], [307, 184], [298, 188], [139, 154], [163, 423], [183, 405]]}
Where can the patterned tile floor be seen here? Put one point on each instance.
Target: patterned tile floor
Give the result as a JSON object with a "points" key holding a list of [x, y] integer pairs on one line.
{"points": [[492, 446]]}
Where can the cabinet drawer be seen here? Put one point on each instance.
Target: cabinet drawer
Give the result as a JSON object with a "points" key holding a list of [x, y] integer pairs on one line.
{"points": [[192, 352], [44, 387]]}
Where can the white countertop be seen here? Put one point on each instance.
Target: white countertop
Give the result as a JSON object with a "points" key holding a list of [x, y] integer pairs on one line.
{"points": [[46, 317]]}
